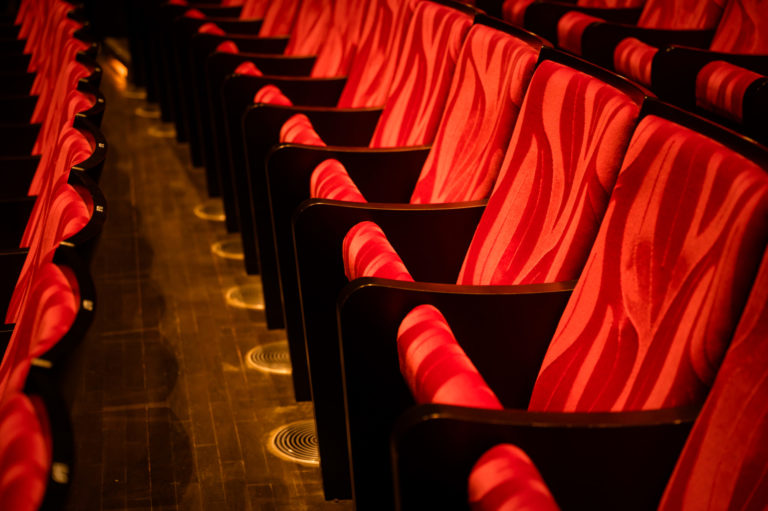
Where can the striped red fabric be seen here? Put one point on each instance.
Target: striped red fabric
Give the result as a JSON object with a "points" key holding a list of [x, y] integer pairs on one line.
{"points": [[651, 315], [633, 58], [382, 35], [312, 24], [330, 180], [418, 94], [254, 9], [298, 130], [743, 28], [505, 479], [514, 11], [570, 29], [720, 88], [555, 181], [611, 4], [334, 57], [492, 75], [435, 367], [24, 456], [724, 464], [279, 17], [369, 253], [273, 95], [681, 14]]}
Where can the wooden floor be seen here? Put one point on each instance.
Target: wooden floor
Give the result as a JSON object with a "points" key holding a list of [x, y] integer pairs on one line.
{"points": [[165, 412]]}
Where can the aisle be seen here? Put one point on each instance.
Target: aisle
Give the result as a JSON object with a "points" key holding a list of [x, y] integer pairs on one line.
{"points": [[166, 414]]}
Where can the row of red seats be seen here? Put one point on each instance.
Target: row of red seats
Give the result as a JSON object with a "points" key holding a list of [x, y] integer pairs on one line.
{"points": [[52, 155], [598, 285]]}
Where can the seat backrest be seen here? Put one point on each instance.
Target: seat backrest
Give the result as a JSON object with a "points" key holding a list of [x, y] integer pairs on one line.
{"points": [[724, 464], [492, 75], [381, 39], [555, 181], [254, 9], [743, 28], [341, 40], [681, 14], [23, 454], [649, 320], [311, 28], [279, 17], [424, 71]]}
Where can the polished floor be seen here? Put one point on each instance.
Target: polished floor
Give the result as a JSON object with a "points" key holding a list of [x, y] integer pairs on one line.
{"points": [[165, 411]]}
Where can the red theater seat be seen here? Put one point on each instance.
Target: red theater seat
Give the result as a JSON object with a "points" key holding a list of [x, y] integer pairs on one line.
{"points": [[640, 340], [539, 160]]}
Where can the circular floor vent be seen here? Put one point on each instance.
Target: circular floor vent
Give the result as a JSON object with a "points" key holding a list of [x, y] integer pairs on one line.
{"points": [[211, 210], [270, 358], [247, 296], [228, 249], [296, 442]]}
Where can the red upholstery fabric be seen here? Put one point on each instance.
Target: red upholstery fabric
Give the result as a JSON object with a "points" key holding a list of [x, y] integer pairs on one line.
{"points": [[514, 11], [272, 95], [278, 18], [370, 254], [435, 367], [254, 9], [563, 159], [633, 58], [418, 94], [720, 88], [331, 181], [227, 47], [340, 42], [492, 75], [195, 14], [681, 14], [650, 317], [611, 4], [505, 479], [724, 464], [210, 28], [298, 130], [570, 28], [249, 69], [382, 36], [24, 457], [311, 27], [743, 28]]}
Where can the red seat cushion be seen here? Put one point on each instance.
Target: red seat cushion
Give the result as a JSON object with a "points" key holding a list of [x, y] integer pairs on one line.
{"points": [[570, 29], [720, 88], [743, 28], [24, 456], [505, 479], [633, 58], [330, 180], [273, 95], [651, 315], [249, 69], [298, 129], [368, 253]]}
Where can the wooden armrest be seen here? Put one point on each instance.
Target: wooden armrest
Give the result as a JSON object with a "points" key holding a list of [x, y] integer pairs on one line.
{"points": [[542, 17], [588, 460]]}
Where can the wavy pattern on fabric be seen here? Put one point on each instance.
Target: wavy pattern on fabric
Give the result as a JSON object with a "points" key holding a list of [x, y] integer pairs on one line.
{"points": [[724, 464], [279, 17], [24, 456], [491, 78], [505, 478], [272, 95], [649, 320], [418, 94], [330, 180], [298, 129], [611, 4], [513, 11], [720, 88], [570, 29], [381, 40], [334, 57], [367, 252], [312, 24], [254, 9], [555, 181], [681, 14], [743, 28], [633, 58], [435, 367]]}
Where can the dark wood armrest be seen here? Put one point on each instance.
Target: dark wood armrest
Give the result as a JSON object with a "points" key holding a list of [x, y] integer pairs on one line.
{"points": [[253, 49], [18, 139], [94, 165], [15, 214], [674, 70], [504, 329], [600, 39], [301, 90], [542, 17], [16, 175], [86, 239], [588, 460]]}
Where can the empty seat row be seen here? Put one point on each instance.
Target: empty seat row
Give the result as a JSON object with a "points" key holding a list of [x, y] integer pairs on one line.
{"points": [[52, 154], [470, 219]]}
